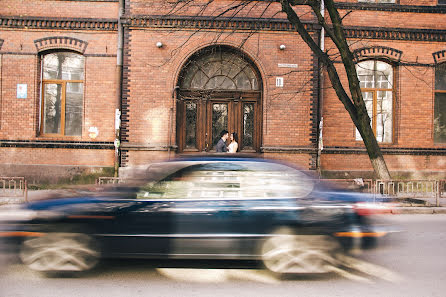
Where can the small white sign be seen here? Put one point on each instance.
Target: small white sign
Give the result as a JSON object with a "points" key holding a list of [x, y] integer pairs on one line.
{"points": [[279, 82], [93, 132], [285, 65], [22, 91], [117, 119]]}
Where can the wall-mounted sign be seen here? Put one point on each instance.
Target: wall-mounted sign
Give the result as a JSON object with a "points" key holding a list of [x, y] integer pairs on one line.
{"points": [[285, 65], [93, 132], [279, 82], [22, 91]]}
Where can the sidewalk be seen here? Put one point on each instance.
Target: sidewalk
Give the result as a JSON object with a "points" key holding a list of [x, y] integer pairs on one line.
{"points": [[404, 206]]}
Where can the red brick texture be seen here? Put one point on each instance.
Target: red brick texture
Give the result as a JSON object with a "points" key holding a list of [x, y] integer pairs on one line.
{"points": [[150, 74]]}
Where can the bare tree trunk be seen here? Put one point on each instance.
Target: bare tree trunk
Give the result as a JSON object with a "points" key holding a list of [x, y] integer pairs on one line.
{"points": [[354, 104]]}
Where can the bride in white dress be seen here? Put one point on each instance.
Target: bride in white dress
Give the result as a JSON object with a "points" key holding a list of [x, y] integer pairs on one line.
{"points": [[233, 146]]}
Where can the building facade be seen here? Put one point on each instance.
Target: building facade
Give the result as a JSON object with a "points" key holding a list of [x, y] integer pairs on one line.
{"points": [[179, 73]]}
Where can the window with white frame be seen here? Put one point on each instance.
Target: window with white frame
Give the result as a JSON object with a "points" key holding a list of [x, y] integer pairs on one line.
{"points": [[62, 93], [440, 104], [376, 81]]}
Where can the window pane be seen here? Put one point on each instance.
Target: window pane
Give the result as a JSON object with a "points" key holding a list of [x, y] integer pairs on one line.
{"points": [[63, 65], [375, 74], [440, 118], [219, 120], [384, 116], [219, 69], [440, 77], [73, 109], [191, 124], [368, 100], [248, 125], [52, 95]]}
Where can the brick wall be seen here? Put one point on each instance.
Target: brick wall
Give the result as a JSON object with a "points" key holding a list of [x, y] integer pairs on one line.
{"points": [[61, 9], [153, 73]]}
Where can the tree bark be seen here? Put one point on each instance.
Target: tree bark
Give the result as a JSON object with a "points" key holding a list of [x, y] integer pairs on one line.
{"points": [[354, 104]]}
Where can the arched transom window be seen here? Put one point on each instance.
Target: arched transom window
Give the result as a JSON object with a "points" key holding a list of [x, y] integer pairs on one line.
{"points": [[219, 89], [219, 71]]}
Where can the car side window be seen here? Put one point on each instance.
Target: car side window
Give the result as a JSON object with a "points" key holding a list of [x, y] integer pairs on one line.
{"points": [[225, 180]]}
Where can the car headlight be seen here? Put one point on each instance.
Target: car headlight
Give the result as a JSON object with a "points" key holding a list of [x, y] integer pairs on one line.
{"points": [[23, 214]]}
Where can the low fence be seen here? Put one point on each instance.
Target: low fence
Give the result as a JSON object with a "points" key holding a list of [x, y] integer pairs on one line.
{"points": [[13, 189], [420, 189], [108, 180]]}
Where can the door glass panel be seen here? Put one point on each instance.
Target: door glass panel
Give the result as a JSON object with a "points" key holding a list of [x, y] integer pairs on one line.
{"points": [[219, 120], [73, 109], [248, 125], [52, 108], [191, 124]]}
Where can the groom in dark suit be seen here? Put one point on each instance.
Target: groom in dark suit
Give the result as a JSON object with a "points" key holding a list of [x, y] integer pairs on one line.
{"points": [[221, 144]]}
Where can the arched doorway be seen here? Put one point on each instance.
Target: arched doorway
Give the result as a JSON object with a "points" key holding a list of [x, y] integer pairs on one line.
{"points": [[219, 89]]}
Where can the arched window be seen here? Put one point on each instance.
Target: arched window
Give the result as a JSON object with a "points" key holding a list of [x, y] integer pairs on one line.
{"points": [[219, 89], [377, 86], [62, 93], [440, 104]]}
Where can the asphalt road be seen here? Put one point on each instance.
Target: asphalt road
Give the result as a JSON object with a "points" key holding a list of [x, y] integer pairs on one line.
{"points": [[412, 264]]}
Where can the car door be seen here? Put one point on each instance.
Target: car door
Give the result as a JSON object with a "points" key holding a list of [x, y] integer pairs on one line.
{"points": [[204, 217]]}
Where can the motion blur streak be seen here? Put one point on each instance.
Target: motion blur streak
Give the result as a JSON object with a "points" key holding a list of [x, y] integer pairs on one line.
{"points": [[217, 275]]}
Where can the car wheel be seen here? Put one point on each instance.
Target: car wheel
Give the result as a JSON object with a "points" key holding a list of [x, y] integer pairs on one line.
{"points": [[60, 252], [287, 253]]}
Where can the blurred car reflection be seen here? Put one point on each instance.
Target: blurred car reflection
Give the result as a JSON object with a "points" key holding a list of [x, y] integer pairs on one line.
{"points": [[203, 208]]}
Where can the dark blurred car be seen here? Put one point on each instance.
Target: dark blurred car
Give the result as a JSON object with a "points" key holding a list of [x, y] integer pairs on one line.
{"points": [[197, 208]]}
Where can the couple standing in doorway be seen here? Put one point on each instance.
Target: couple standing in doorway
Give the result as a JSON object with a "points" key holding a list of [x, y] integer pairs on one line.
{"points": [[233, 145]]}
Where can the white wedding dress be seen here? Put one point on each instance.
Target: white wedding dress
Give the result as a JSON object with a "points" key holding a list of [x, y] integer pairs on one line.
{"points": [[232, 148]]}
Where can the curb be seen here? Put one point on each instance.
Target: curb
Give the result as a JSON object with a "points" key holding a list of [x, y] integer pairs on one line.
{"points": [[419, 210]]}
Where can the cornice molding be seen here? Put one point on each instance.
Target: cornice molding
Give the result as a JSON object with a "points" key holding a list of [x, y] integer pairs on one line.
{"points": [[205, 22], [60, 42], [439, 57], [395, 34], [288, 149], [200, 23], [127, 146], [58, 23], [377, 52], [391, 7], [386, 151], [57, 144]]}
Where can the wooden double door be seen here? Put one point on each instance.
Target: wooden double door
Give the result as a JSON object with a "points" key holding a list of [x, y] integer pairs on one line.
{"points": [[200, 120]]}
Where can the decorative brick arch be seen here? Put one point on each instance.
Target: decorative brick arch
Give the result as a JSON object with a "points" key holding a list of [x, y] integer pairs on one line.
{"points": [[57, 42], [377, 52], [439, 57]]}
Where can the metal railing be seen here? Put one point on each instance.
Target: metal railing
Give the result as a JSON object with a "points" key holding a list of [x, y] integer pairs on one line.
{"points": [[358, 184], [434, 189], [108, 180], [13, 188]]}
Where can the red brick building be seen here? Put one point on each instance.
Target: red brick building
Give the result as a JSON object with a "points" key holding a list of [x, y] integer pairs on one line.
{"points": [[189, 71]]}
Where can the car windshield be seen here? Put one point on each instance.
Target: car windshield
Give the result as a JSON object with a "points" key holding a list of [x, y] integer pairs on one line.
{"points": [[229, 180]]}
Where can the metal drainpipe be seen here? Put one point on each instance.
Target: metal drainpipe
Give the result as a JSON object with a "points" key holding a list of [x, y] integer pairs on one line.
{"points": [[119, 58], [174, 97], [321, 97]]}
